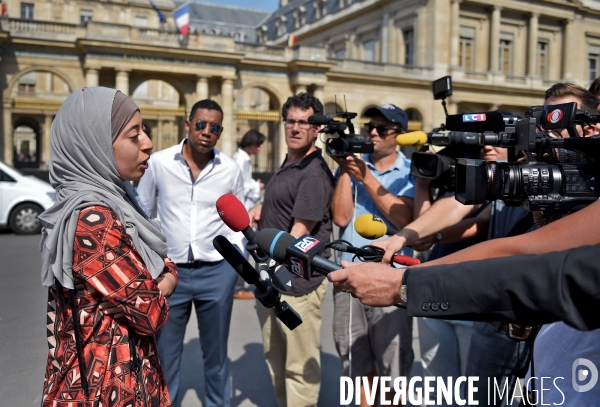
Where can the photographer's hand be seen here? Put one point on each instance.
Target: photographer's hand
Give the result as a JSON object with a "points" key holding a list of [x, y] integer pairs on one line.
{"points": [[356, 167], [374, 284]]}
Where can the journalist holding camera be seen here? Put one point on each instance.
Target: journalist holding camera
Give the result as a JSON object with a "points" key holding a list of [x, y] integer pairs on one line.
{"points": [[373, 341], [551, 278]]}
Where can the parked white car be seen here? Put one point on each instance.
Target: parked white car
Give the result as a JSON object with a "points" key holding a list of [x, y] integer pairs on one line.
{"points": [[22, 199]]}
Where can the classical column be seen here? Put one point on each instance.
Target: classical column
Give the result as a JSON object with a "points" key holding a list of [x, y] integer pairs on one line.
{"points": [[454, 31], [201, 88], [351, 48], [495, 39], [158, 137], [8, 134], [91, 78], [300, 89], [532, 44], [227, 141], [45, 153], [122, 81], [385, 39], [570, 50]]}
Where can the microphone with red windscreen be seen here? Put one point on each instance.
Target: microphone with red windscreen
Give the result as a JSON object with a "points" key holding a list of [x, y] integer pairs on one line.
{"points": [[405, 260], [234, 215]]}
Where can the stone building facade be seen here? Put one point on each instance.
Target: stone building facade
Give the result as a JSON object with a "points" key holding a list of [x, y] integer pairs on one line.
{"points": [[352, 54]]}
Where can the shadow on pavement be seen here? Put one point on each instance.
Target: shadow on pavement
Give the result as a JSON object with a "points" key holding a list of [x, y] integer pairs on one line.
{"points": [[250, 379], [192, 371]]}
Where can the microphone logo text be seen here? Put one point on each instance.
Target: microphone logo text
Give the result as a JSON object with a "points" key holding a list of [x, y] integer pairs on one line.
{"points": [[306, 243], [479, 117]]}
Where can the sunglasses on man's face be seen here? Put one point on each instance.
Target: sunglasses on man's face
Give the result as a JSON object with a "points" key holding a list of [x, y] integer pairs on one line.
{"points": [[214, 127], [382, 129]]}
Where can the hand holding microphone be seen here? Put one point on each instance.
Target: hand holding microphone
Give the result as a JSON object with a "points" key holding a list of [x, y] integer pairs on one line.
{"points": [[373, 227]]}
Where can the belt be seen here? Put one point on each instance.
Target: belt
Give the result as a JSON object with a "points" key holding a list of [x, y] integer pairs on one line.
{"points": [[516, 331], [196, 264]]}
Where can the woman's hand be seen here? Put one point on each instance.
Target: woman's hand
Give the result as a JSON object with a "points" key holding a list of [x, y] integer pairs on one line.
{"points": [[391, 245], [108, 308], [166, 284]]}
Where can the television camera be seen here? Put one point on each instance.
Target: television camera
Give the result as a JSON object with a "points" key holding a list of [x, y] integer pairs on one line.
{"points": [[338, 142], [439, 167], [552, 175]]}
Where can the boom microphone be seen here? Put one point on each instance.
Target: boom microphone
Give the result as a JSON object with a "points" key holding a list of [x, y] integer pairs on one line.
{"points": [[476, 122], [372, 227], [413, 138], [418, 138], [297, 254]]}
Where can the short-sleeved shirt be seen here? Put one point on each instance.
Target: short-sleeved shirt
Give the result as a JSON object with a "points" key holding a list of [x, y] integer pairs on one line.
{"points": [[301, 190], [396, 179]]}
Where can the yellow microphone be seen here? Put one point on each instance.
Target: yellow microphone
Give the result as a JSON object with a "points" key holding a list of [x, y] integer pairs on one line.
{"points": [[372, 227], [414, 138]]}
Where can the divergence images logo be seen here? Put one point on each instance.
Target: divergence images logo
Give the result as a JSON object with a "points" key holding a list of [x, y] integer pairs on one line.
{"points": [[307, 243], [555, 116], [581, 375], [479, 117]]}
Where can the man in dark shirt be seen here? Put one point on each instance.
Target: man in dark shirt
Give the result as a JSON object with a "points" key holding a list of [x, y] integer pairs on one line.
{"points": [[297, 200]]}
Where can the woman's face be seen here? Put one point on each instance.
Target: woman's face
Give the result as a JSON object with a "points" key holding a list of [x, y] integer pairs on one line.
{"points": [[132, 150]]}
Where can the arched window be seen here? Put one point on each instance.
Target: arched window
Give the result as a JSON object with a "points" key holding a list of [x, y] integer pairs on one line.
{"points": [[415, 120]]}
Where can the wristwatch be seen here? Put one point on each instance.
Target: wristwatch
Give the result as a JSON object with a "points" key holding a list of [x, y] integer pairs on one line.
{"points": [[403, 290]]}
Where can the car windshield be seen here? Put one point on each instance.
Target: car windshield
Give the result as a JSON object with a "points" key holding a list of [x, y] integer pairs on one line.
{"points": [[12, 168]]}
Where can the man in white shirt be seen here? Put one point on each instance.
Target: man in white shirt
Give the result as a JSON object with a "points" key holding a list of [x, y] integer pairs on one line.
{"points": [[186, 180], [247, 147]]}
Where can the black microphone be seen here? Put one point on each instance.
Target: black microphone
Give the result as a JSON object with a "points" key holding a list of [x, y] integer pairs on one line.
{"points": [[319, 119], [238, 262], [476, 122], [299, 255], [268, 295]]}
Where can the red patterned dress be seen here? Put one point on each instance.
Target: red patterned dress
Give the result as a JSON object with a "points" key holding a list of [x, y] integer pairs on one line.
{"points": [[106, 266]]}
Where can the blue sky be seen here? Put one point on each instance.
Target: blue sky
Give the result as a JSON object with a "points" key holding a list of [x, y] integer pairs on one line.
{"points": [[267, 5]]}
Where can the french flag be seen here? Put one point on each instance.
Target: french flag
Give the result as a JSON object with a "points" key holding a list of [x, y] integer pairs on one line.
{"points": [[182, 19]]}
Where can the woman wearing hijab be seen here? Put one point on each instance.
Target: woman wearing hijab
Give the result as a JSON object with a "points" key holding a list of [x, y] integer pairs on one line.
{"points": [[104, 261]]}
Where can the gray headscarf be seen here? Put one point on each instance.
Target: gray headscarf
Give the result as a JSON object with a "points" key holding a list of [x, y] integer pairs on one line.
{"points": [[83, 170]]}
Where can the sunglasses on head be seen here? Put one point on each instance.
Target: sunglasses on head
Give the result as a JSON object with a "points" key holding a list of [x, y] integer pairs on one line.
{"points": [[382, 129], [214, 127]]}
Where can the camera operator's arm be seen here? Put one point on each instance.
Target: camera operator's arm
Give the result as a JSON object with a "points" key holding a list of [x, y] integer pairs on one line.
{"points": [[444, 212], [342, 207], [578, 229], [476, 226], [422, 196], [397, 209]]}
